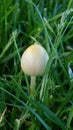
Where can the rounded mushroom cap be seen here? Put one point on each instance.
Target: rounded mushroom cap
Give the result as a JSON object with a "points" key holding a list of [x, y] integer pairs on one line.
{"points": [[34, 60]]}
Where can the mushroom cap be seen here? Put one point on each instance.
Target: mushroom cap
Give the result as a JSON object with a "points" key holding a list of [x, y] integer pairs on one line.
{"points": [[34, 60]]}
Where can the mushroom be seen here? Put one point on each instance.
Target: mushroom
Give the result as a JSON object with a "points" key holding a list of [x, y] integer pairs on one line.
{"points": [[33, 63]]}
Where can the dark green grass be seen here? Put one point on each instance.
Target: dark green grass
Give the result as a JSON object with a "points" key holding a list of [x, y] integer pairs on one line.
{"points": [[49, 22]]}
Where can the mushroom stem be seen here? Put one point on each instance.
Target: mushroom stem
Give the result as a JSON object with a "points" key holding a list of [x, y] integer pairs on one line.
{"points": [[32, 86]]}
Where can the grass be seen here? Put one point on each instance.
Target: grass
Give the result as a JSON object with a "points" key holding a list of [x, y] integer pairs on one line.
{"points": [[51, 24]]}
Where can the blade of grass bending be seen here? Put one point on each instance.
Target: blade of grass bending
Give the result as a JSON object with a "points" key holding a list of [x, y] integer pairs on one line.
{"points": [[8, 13], [9, 43], [49, 114]]}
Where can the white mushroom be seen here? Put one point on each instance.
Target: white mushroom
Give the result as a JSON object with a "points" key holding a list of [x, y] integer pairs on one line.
{"points": [[34, 61]]}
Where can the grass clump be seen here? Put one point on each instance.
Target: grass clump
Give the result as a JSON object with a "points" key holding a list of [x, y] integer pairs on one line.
{"points": [[51, 24]]}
